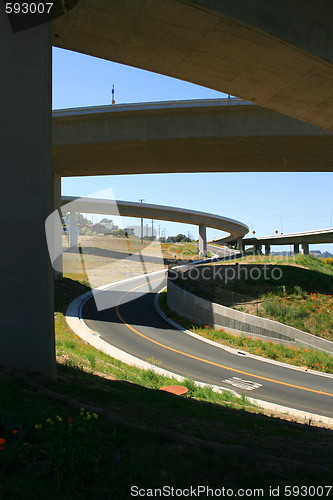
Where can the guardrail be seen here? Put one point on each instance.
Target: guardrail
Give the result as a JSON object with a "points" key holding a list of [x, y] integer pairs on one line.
{"points": [[206, 312]]}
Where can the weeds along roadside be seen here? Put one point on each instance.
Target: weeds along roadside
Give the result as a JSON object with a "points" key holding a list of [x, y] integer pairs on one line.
{"points": [[307, 358]]}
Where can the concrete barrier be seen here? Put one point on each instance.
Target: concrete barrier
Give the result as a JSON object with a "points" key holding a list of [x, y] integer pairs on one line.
{"points": [[209, 313]]}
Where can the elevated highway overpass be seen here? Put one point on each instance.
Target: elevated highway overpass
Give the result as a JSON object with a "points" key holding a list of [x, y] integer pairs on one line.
{"points": [[211, 135], [275, 53], [265, 54], [235, 228], [303, 239]]}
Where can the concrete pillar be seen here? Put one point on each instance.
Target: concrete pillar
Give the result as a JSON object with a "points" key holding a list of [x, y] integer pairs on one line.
{"points": [[267, 249], [240, 244], [58, 272], [26, 292], [73, 232], [305, 248], [202, 241], [296, 248]]}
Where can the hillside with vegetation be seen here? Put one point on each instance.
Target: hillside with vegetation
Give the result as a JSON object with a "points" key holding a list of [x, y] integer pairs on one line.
{"points": [[301, 298]]}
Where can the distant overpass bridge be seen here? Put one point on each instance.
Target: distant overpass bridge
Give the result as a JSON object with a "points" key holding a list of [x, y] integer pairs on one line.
{"points": [[303, 240], [235, 228]]}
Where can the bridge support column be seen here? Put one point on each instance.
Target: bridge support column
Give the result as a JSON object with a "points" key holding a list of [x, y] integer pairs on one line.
{"points": [[202, 241], [58, 273], [26, 292], [305, 248], [296, 248], [267, 249], [240, 244], [73, 232]]}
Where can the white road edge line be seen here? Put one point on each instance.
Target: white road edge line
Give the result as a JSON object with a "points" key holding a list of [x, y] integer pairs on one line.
{"points": [[232, 350], [76, 323]]}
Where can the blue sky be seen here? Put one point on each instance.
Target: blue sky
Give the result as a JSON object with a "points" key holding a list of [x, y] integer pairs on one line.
{"points": [[264, 201]]}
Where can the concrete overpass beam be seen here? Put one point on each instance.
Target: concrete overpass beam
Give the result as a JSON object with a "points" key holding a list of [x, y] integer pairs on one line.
{"points": [[305, 248], [202, 241], [267, 249], [73, 232], [26, 296], [296, 248]]}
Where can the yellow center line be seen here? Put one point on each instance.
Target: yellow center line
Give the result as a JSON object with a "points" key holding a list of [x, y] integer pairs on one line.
{"points": [[202, 359]]}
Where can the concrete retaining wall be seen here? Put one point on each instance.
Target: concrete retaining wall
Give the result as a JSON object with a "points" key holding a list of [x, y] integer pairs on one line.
{"points": [[203, 311]]}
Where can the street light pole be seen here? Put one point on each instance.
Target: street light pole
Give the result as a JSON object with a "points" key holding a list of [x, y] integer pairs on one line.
{"points": [[142, 200]]}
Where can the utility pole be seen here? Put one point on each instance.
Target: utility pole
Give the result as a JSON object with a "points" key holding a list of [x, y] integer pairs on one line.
{"points": [[113, 99], [159, 231], [142, 200], [152, 229]]}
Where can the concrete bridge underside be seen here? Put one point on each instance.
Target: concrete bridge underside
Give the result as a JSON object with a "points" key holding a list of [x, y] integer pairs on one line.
{"points": [[274, 53]]}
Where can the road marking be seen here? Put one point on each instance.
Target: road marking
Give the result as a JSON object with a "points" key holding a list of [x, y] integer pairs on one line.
{"points": [[206, 360], [248, 385]]}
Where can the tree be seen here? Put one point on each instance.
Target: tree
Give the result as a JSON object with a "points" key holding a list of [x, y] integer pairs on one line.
{"points": [[81, 220], [121, 233], [181, 238]]}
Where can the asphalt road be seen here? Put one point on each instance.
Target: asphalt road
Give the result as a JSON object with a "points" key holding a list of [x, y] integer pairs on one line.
{"points": [[137, 328]]}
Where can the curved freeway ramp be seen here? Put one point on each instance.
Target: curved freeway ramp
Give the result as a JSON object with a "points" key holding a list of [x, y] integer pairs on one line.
{"points": [[235, 228], [136, 328]]}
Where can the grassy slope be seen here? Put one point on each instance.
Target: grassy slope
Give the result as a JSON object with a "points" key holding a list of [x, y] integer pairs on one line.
{"points": [[301, 298], [142, 436], [304, 357]]}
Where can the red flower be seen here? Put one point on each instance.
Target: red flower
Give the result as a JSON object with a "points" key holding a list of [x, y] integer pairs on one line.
{"points": [[2, 441], [15, 431], [70, 420]]}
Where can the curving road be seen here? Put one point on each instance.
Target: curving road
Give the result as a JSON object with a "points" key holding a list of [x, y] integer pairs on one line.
{"points": [[136, 328]]}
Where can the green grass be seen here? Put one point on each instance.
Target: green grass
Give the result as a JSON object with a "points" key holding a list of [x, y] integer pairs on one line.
{"points": [[302, 298], [181, 250], [307, 358], [75, 353], [86, 436]]}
